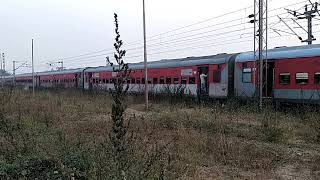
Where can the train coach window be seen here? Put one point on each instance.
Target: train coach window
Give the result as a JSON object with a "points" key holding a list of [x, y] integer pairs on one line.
{"points": [[244, 65], [168, 80], [247, 75], [128, 81], [184, 80], [138, 80], [107, 81], [317, 78], [217, 76], [155, 80], [133, 81], [104, 81], [161, 80], [302, 78], [143, 81], [284, 78], [192, 80], [175, 80]]}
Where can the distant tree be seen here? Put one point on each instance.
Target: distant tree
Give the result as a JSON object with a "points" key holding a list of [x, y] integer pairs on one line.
{"points": [[119, 128]]}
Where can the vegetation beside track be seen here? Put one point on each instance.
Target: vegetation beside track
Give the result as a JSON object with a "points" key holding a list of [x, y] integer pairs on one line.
{"points": [[65, 134]]}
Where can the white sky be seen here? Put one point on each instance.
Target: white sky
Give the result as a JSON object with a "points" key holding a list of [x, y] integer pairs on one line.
{"points": [[66, 28]]}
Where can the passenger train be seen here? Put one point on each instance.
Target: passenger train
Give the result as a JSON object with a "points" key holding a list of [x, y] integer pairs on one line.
{"points": [[292, 74]]}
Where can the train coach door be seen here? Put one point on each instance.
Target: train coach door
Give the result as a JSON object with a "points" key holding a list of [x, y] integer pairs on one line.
{"points": [[203, 83], [76, 78], [89, 80], [268, 79]]}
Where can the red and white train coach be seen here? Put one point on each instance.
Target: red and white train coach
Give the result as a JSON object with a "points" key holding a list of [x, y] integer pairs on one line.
{"points": [[207, 75], [292, 74], [70, 78]]}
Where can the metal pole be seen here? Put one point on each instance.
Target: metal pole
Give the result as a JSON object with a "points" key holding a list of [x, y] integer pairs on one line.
{"points": [[310, 38], [3, 70], [260, 52], [4, 63], [254, 47], [266, 49], [145, 57], [32, 68], [14, 72], [1, 73]]}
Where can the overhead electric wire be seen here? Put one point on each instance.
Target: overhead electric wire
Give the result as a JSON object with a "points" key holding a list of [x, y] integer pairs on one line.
{"points": [[86, 56], [221, 35], [202, 46], [196, 39], [197, 47], [161, 34], [70, 57], [180, 39]]}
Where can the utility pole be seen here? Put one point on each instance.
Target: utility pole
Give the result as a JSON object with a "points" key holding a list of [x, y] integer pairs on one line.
{"points": [[1, 74], [4, 63], [14, 68], [3, 70], [260, 21], [260, 51], [145, 57], [33, 83], [14, 72], [308, 14]]}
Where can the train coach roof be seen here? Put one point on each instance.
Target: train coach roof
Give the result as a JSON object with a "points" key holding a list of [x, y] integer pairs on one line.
{"points": [[171, 63], [284, 53], [24, 75], [47, 73], [60, 72]]}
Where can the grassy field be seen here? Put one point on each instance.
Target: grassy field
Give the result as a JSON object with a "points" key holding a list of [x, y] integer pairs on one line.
{"points": [[65, 135]]}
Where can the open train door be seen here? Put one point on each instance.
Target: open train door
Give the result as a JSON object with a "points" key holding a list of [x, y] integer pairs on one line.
{"points": [[76, 80], [203, 83], [89, 80], [268, 79]]}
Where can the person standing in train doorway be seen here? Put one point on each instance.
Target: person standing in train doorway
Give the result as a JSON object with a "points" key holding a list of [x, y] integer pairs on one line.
{"points": [[203, 82]]}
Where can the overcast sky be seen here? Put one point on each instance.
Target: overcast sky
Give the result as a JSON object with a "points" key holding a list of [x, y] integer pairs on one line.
{"points": [[68, 28]]}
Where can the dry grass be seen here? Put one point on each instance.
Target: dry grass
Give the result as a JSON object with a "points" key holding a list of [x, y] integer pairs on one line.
{"points": [[65, 134]]}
